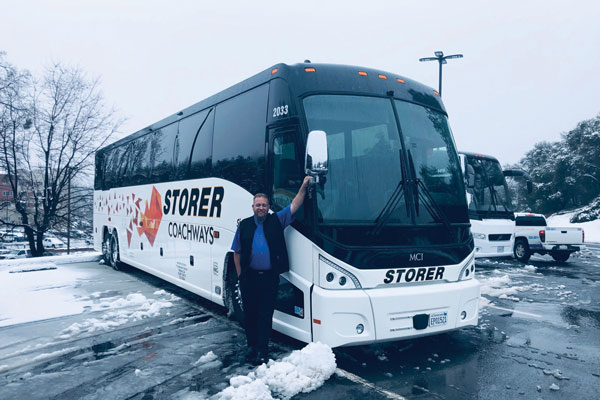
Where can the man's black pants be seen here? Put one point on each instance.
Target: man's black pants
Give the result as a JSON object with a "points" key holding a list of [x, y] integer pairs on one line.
{"points": [[259, 292]]}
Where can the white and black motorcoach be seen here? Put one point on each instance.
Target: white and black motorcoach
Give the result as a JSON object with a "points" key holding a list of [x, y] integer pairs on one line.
{"points": [[381, 250]]}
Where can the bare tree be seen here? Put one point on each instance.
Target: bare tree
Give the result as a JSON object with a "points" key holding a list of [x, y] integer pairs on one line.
{"points": [[63, 123]]}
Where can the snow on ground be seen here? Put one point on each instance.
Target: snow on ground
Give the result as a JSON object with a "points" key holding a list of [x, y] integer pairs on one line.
{"points": [[301, 372], [21, 263], [592, 228], [34, 296], [131, 308], [208, 357], [48, 287]]}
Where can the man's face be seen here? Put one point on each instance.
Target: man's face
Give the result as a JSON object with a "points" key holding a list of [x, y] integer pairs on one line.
{"points": [[260, 207]]}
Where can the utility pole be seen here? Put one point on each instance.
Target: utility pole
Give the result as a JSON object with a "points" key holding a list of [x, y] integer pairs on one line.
{"points": [[441, 59]]}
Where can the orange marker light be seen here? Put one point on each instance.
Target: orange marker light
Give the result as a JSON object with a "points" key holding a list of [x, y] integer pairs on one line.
{"points": [[362, 73], [436, 93], [382, 77], [274, 71], [400, 80], [216, 234], [309, 69], [317, 321]]}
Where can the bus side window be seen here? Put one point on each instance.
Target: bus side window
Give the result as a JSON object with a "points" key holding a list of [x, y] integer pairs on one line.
{"points": [[99, 175], [112, 166], [139, 165], [123, 167], [239, 140], [286, 171], [195, 145], [161, 153]]}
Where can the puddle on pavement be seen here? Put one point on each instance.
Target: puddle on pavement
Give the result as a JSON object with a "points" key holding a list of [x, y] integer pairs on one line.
{"points": [[557, 314]]}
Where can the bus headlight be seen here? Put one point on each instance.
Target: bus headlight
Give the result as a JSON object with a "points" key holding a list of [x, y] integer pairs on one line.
{"points": [[478, 235], [331, 271], [468, 271]]}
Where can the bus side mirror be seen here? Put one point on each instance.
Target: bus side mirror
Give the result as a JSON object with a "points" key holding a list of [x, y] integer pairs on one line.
{"points": [[522, 174], [470, 176], [316, 161]]}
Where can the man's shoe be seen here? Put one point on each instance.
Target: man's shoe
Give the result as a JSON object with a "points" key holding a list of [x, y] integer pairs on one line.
{"points": [[261, 358], [250, 355]]}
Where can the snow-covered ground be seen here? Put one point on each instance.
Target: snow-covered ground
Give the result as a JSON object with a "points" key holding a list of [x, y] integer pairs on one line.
{"points": [[592, 228], [56, 287]]}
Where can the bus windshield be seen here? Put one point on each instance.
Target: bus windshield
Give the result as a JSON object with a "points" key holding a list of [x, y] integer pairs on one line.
{"points": [[365, 160], [489, 197]]}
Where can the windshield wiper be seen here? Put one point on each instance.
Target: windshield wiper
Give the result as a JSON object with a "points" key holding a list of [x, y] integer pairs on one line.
{"points": [[392, 203], [425, 195]]}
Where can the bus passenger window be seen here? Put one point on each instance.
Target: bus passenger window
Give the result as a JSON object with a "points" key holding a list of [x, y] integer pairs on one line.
{"points": [[139, 161], [198, 128], [161, 153], [239, 140]]}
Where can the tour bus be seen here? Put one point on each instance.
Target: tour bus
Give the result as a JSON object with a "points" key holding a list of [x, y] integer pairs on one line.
{"points": [[381, 249], [490, 205]]}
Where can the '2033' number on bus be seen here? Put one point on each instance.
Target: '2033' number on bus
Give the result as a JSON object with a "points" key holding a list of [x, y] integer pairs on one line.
{"points": [[279, 111]]}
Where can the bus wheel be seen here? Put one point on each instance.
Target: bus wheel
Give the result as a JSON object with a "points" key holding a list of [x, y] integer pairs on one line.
{"points": [[233, 295], [521, 251], [560, 256], [114, 252], [106, 248]]}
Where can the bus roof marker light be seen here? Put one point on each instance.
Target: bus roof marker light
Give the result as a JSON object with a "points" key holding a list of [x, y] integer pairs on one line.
{"points": [[400, 80], [436, 93], [274, 71], [382, 76], [309, 69], [362, 73]]}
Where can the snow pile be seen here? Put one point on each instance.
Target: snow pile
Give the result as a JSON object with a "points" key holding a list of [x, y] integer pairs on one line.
{"points": [[43, 266], [591, 228], [65, 259], [301, 372], [208, 357], [501, 287], [132, 308]]}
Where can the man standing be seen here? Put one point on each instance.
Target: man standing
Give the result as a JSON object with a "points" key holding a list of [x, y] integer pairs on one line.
{"points": [[260, 255]]}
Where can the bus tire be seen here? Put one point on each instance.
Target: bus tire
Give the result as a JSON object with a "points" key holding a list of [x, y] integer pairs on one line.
{"points": [[521, 250], [560, 256], [114, 260], [106, 248], [233, 295]]}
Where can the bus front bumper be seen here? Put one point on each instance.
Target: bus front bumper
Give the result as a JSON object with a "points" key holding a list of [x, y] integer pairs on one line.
{"points": [[354, 317], [485, 249]]}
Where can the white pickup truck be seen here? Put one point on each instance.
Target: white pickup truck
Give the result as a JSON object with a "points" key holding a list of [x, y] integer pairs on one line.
{"points": [[532, 235]]}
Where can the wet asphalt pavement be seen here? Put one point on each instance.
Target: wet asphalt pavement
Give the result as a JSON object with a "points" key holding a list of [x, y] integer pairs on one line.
{"points": [[538, 337]]}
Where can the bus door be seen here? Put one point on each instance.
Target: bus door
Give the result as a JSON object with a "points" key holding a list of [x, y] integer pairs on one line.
{"points": [[292, 309]]}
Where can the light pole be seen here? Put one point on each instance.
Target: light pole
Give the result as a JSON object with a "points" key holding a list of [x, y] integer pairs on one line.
{"points": [[439, 56]]}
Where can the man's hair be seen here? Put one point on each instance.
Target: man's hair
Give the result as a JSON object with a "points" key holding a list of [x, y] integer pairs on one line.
{"points": [[261, 195]]}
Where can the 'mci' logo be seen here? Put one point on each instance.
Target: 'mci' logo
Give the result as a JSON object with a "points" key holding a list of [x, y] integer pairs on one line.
{"points": [[415, 257]]}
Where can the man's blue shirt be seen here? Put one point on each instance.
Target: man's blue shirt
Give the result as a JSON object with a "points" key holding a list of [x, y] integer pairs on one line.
{"points": [[260, 258]]}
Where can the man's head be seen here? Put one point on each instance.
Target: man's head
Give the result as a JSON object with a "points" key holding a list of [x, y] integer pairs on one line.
{"points": [[260, 205]]}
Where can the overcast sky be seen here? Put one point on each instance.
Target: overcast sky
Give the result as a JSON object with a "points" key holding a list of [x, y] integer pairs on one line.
{"points": [[531, 69]]}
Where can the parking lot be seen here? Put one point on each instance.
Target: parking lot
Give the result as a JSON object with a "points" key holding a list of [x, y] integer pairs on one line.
{"points": [[537, 338]]}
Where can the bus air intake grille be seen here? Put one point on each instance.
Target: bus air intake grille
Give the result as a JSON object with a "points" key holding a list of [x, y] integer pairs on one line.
{"points": [[498, 237]]}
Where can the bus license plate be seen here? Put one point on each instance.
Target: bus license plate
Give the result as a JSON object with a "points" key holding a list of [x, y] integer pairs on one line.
{"points": [[438, 319], [500, 249], [562, 247]]}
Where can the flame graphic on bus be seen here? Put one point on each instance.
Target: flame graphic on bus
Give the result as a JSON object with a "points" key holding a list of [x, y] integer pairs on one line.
{"points": [[151, 217]]}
